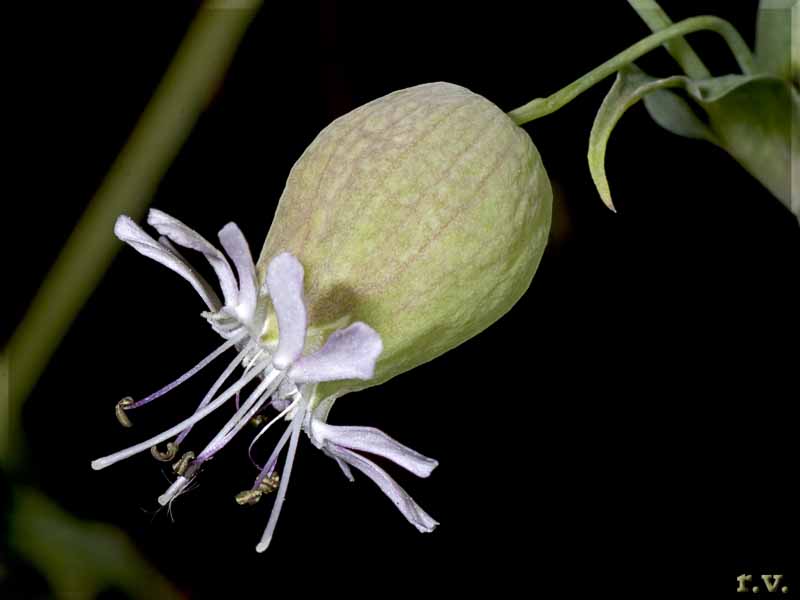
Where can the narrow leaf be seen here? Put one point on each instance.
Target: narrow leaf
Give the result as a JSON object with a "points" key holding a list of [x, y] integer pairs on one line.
{"points": [[630, 86]]}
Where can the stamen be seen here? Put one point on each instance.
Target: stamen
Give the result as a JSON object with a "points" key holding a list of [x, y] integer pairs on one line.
{"points": [[261, 394], [250, 497], [215, 388], [174, 490], [297, 421], [249, 363], [123, 419], [282, 414], [267, 486], [203, 363], [269, 466], [270, 484], [183, 463], [106, 461], [167, 455], [224, 436]]}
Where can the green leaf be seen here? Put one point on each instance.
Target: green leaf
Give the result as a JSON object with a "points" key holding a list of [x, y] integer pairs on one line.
{"points": [[631, 85], [674, 114], [774, 37], [758, 124], [749, 116]]}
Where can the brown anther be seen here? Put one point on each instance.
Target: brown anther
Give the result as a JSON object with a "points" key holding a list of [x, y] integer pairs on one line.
{"points": [[270, 484], [183, 463], [258, 420], [122, 417], [167, 455], [248, 497]]}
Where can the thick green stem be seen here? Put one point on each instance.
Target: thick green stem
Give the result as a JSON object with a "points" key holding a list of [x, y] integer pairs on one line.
{"points": [[185, 91], [540, 107], [678, 48]]}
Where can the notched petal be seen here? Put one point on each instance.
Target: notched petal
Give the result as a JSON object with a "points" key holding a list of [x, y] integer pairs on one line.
{"points": [[374, 441], [285, 283], [130, 233], [185, 236], [235, 244], [349, 353], [404, 503]]}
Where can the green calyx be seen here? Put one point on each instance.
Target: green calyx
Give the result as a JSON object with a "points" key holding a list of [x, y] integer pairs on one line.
{"points": [[423, 214]]}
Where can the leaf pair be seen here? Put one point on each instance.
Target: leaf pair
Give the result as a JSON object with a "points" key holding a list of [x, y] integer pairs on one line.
{"points": [[754, 117]]}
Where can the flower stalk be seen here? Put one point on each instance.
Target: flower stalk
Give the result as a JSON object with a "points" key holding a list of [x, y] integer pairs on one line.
{"points": [[540, 107]]}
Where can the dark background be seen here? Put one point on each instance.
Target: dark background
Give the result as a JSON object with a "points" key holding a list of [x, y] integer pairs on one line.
{"points": [[638, 433]]}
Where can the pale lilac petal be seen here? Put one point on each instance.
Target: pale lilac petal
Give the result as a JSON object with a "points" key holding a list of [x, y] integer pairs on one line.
{"points": [[374, 441], [285, 283], [349, 353], [344, 467], [130, 233], [187, 237], [236, 246], [405, 503]]}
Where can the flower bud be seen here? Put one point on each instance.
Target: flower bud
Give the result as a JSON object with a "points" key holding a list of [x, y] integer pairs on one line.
{"points": [[423, 213]]}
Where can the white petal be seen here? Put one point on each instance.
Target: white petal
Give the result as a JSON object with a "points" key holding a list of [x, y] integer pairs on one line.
{"points": [[349, 353], [344, 467], [405, 503], [374, 441], [236, 246], [130, 233], [285, 283], [187, 237]]}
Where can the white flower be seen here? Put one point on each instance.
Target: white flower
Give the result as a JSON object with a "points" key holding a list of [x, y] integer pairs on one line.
{"points": [[284, 378]]}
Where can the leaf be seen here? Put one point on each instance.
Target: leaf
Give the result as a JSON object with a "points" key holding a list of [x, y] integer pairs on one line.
{"points": [[750, 117], [630, 86], [757, 124], [774, 37], [674, 114]]}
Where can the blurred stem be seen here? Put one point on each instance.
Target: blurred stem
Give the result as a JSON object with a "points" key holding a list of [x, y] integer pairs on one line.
{"points": [[540, 107], [678, 48], [80, 559], [185, 91]]}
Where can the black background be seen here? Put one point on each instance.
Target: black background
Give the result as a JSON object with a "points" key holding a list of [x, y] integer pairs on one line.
{"points": [[628, 427]]}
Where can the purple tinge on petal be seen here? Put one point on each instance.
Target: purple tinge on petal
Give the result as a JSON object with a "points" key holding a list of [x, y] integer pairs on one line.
{"points": [[285, 283], [235, 245], [187, 237], [342, 465], [349, 353], [130, 233], [405, 503], [374, 441]]}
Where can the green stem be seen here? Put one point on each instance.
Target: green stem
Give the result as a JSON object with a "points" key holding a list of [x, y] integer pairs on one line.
{"points": [[540, 107], [185, 91], [679, 49]]}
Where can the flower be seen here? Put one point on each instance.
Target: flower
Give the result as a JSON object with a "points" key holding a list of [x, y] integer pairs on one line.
{"points": [[284, 376], [424, 213]]}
